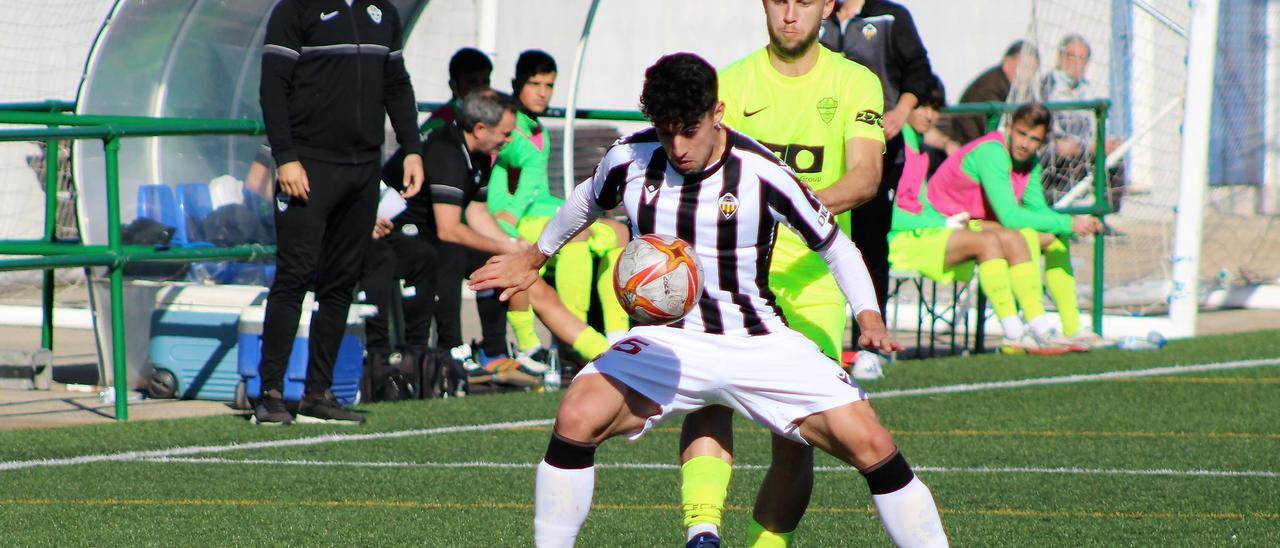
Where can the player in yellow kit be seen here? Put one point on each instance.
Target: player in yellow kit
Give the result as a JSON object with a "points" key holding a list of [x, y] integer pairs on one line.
{"points": [[820, 113]]}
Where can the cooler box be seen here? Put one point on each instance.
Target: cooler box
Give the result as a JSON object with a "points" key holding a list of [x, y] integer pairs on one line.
{"points": [[193, 344], [347, 369]]}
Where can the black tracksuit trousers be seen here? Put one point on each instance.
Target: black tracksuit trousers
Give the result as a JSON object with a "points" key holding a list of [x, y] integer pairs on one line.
{"points": [[321, 239], [390, 259]]}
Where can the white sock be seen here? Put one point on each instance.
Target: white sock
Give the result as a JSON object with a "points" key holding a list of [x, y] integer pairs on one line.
{"points": [[562, 499], [699, 528], [910, 517], [1013, 328], [1041, 326]]}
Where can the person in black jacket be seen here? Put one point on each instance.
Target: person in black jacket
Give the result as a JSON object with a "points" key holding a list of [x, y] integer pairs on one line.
{"points": [[331, 71], [881, 36]]}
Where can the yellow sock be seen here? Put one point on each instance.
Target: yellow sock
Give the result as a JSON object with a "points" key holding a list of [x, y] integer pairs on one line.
{"points": [[993, 278], [704, 484], [615, 318], [1024, 281], [590, 344], [573, 278], [1060, 280], [522, 324], [759, 537]]}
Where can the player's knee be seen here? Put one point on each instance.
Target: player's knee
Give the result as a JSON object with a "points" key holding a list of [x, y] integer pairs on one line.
{"points": [[576, 421], [990, 247]]}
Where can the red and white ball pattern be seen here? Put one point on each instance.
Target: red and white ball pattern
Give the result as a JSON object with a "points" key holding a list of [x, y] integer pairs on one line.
{"points": [[658, 279]]}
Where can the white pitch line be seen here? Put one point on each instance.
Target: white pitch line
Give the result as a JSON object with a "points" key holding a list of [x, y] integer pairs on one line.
{"points": [[660, 466], [339, 438], [1073, 379]]}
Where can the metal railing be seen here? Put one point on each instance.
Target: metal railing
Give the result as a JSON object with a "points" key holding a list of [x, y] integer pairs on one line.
{"points": [[49, 253]]}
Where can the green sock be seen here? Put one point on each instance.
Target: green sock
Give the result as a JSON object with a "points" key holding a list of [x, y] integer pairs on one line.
{"points": [[573, 278], [704, 484], [590, 344], [759, 537], [1060, 280], [615, 318], [993, 278], [1024, 281], [522, 324]]}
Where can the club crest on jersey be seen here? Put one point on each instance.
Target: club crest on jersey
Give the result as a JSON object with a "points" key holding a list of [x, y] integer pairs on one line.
{"points": [[869, 31], [827, 109], [375, 14], [728, 205]]}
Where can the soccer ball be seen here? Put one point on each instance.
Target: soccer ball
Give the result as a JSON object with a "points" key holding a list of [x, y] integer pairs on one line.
{"points": [[657, 279]]}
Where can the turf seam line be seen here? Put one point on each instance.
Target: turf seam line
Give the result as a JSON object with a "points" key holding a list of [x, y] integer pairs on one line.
{"points": [[667, 466]]}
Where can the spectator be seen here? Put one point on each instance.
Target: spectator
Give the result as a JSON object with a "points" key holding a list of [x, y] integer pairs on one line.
{"points": [[521, 201], [469, 71], [997, 178], [1070, 155], [328, 179], [881, 36], [1020, 61]]}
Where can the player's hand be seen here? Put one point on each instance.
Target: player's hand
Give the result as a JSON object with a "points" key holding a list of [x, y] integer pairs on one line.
{"points": [[293, 180], [1085, 225], [892, 122], [510, 272], [381, 228], [874, 335], [516, 245], [413, 175]]}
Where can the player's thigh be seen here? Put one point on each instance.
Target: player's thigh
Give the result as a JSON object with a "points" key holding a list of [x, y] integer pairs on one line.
{"points": [[851, 433], [597, 407]]}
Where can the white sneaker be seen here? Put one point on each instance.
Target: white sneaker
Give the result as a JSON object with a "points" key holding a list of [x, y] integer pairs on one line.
{"points": [[1050, 344], [1085, 341], [868, 366], [530, 362]]}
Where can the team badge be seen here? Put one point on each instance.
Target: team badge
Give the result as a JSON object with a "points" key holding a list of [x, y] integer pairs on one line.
{"points": [[827, 109], [869, 31], [409, 230], [728, 205], [282, 202], [375, 14]]}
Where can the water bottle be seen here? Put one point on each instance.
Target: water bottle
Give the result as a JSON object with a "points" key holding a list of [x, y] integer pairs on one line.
{"points": [[551, 379], [1153, 341]]}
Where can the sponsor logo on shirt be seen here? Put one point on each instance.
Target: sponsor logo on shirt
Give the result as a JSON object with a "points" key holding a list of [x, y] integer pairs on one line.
{"points": [[328, 16], [800, 158], [749, 113], [824, 217], [871, 118], [728, 205], [827, 109], [375, 14]]}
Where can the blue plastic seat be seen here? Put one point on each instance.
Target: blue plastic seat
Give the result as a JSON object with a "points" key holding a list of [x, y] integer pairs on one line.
{"points": [[156, 202], [194, 205]]}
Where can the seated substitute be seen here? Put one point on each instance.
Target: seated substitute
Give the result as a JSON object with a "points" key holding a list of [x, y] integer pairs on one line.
{"points": [[672, 179], [923, 240], [520, 199], [996, 178]]}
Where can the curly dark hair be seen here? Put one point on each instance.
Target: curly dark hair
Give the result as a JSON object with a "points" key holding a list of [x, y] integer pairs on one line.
{"points": [[935, 94], [1034, 115], [678, 90]]}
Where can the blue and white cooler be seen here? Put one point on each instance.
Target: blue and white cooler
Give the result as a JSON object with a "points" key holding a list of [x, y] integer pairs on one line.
{"points": [[347, 369]]}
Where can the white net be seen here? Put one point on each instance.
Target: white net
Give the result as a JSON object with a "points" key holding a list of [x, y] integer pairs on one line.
{"points": [[1135, 55], [43, 47]]}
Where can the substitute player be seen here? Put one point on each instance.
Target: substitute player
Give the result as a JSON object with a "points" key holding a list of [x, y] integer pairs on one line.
{"points": [[997, 178], [820, 113], [724, 194], [944, 250]]}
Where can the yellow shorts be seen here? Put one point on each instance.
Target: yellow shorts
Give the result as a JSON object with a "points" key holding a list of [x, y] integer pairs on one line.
{"points": [[600, 237], [811, 301], [924, 250]]}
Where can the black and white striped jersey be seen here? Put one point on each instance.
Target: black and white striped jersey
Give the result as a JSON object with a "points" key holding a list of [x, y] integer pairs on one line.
{"points": [[729, 213]]}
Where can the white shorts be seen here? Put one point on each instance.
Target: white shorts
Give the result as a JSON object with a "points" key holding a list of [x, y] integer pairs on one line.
{"points": [[775, 380]]}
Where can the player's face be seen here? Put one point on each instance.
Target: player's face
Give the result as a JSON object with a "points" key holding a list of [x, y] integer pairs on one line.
{"points": [[470, 82], [793, 24], [690, 147], [1073, 59], [1025, 140], [535, 95], [491, 139], [922, 119]]}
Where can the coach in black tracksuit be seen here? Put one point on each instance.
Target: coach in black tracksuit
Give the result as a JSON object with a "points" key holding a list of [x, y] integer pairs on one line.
{"points": [[881, 36], [330, 70]]}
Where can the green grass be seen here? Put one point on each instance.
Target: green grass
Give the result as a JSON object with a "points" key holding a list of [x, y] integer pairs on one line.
{"points": [[1218, 421]]}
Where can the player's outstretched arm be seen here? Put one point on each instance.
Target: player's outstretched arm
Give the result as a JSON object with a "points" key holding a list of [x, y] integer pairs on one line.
{"points": [[510, 272], [846, 264]]}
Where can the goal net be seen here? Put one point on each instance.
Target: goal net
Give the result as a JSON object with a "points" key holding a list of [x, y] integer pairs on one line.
{"points": [[1137, 53]]}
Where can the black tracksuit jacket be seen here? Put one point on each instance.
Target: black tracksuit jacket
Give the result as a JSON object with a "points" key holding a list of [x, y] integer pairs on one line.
{"points": [[329, 72]]}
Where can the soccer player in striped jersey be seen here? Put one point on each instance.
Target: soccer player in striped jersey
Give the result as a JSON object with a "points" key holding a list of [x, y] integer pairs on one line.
{"points": [[724, 194], [821, 114]]}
